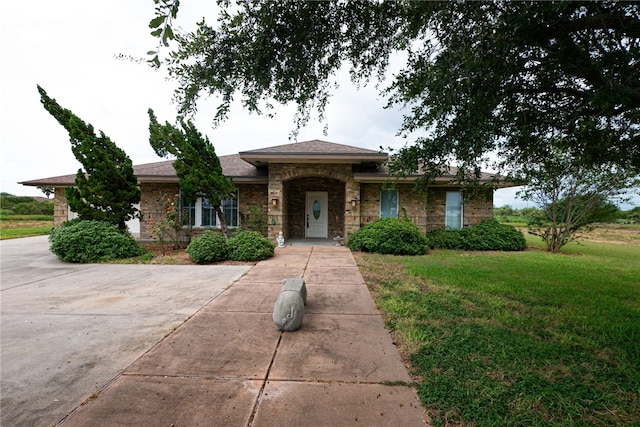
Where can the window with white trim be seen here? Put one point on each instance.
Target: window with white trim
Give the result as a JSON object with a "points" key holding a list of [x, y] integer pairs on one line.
{"points": [[453, 210], [202, 214], [388, 203]]}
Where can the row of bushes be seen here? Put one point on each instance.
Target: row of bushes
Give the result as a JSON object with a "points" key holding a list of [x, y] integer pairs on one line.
{"points": [[399, 236], [242, 246], [95, 241], [487, 236]]}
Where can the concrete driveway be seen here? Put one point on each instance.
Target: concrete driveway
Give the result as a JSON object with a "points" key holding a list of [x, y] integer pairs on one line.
{"points": [[67, 330]]}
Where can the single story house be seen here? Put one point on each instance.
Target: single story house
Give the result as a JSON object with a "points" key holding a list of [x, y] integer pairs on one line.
{"points": [[312, 189]]}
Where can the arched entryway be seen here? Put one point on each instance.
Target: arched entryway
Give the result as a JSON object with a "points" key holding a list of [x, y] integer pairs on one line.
{"points": [[305, 198]]}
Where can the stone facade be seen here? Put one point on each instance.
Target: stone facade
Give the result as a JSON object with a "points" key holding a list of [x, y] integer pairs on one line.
{"points": [[289, 181], [280, 204], [60, 207], [475, 209], [411, 204], [152, 205]]}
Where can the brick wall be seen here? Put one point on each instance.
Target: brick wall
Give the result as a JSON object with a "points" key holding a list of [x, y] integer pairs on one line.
{"points": [[252, 199], [475, 209], [152, 200], [285, 216], [60, 207], [410, 204], [296, 192]]}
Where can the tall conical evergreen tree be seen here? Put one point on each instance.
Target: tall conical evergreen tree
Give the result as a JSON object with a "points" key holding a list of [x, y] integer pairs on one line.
{"points": [[197, 165], [107, 190]]}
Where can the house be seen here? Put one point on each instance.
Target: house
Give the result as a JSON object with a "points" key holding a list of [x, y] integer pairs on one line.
{"points": [[312, 189]]}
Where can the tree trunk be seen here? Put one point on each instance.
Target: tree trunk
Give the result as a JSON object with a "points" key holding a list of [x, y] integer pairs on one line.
{"points": [[223, 221]]}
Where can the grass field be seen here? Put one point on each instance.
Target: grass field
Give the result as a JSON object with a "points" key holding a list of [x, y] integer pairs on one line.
{"points": [[14, 226], [526, 338]]}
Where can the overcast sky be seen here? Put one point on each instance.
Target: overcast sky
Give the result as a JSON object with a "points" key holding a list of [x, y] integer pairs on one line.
{"points": [[68, 47]]}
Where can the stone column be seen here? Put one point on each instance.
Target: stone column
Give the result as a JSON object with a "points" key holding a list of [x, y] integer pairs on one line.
{"points": [[276, 213], [351, 206], [60, 207]]}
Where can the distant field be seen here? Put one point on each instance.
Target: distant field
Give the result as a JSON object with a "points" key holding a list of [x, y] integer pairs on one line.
{"points": [[15, 226]]}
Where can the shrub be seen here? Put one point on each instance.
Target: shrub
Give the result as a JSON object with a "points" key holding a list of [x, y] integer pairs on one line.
{"points": [[208, 247], [92, 241], [487, 236], [397, 236], [250, 246], [446, 239]]}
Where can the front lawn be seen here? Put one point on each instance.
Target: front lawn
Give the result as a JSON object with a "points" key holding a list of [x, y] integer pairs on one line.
{"points": [[517, 338]]}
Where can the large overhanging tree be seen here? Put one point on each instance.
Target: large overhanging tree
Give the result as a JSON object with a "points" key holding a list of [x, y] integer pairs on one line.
{"points": [[197, 165], [485, 83], [107, 189]]}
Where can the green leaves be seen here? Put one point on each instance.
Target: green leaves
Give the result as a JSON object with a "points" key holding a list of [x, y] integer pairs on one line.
{"points": [[166, 11], [107, 189], [490, 84], [197, 165]]}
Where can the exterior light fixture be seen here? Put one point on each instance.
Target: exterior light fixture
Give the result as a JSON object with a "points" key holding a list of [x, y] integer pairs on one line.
{"points": [[274, 202]]}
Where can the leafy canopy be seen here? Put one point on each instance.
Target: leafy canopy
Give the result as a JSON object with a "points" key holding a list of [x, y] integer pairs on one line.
{"points": [[107, 190], [572, 197], [197, 165], [482, 80]]}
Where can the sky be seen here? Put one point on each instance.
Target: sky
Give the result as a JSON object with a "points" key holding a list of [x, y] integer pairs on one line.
{"points": [[69, 48]]}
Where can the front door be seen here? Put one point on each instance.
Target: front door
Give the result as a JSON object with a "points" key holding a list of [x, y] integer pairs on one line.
{"points": [[316, 215]]}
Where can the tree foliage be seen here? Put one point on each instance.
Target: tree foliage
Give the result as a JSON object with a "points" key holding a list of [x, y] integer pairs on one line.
{"points": [[571, 196], [107, 190], [197, 165], [506, 79]]}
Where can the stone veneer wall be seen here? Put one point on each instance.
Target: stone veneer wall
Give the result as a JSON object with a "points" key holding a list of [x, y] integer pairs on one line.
{"points": [[152, 199], [281, 173], [252, 197], [60, 207], [474, 211], [153, 195], [411, 204], [296, 192]]}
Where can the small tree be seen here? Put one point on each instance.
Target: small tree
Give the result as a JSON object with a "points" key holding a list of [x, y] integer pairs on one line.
{"points": [[197, 165], [572, 196], [108, 189]]}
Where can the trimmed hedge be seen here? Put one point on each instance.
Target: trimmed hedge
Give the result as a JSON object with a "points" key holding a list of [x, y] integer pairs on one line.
{"points": [[208, 248], [212, 247], [92, 241], [250, 246], [396, 236], [487, 236]]}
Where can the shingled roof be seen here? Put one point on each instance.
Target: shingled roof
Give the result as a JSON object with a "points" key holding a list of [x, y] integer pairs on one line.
{"points": [[250, 166], [312, 152], [232, 166]]}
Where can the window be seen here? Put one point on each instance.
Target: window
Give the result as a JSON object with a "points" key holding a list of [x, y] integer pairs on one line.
{"points": [[202, 214], [389, 203], [188, 211], [453, 212]]}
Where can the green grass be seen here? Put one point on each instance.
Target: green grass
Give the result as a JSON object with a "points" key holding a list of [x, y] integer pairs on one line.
{"points": [[526, 338], [16, 226]]}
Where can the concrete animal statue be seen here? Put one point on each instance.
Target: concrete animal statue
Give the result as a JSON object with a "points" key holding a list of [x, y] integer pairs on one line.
{"points": [[288, 310]]}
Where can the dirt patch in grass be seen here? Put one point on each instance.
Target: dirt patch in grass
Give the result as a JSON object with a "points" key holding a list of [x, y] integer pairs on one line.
{"points": [[612, 233]]}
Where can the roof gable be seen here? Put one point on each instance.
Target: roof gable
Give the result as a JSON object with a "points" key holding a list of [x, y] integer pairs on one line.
{"points": [[313, 152]]}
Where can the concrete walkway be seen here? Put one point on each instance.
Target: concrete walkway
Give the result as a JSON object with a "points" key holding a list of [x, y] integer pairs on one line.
{"points": [[229, 366]]}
